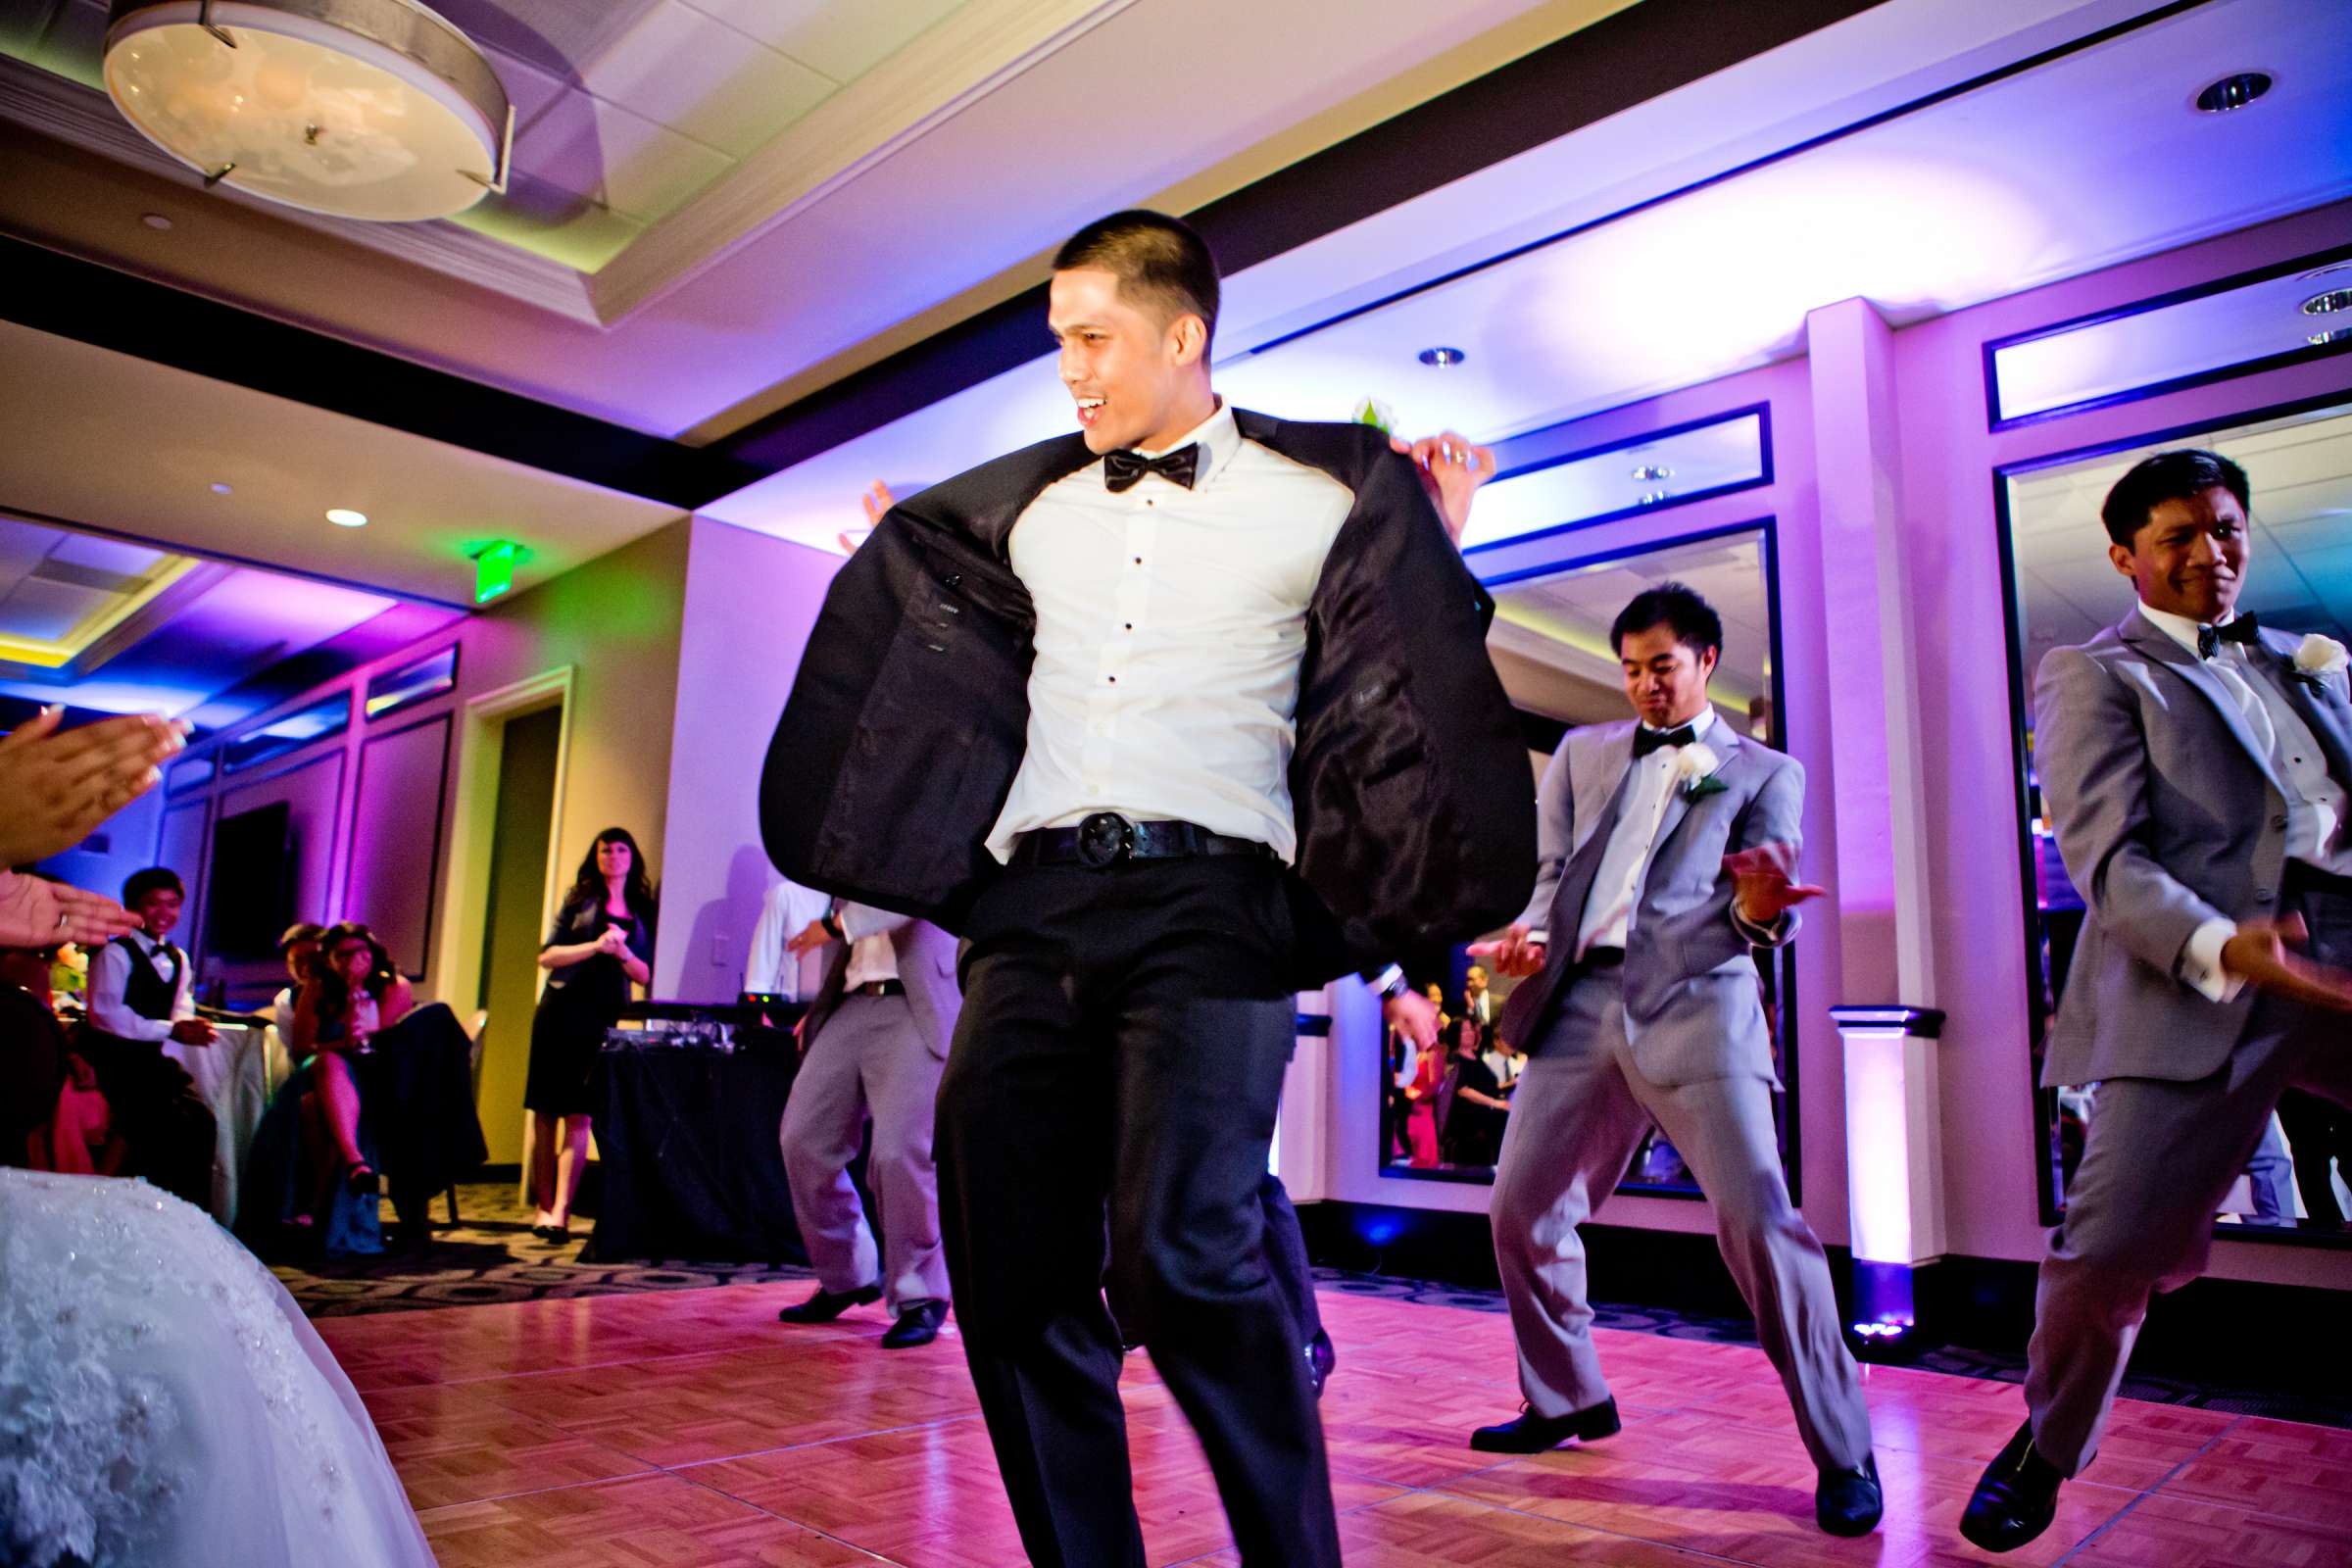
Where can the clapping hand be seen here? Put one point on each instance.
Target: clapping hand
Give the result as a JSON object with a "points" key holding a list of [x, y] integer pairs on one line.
{"points": [[60, 787], [35, 913], [1511, 954], [611, 942], [877, 501], [1451, 470], [1767, 883], [2263, 955]]}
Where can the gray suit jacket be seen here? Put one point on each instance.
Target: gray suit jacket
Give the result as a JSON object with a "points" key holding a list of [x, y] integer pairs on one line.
{"points": [[926, 957], [1691, 1011], [2168, 817]]}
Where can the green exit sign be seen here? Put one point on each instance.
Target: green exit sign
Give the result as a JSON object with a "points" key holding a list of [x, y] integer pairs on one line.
{"points": [[494, 569]]}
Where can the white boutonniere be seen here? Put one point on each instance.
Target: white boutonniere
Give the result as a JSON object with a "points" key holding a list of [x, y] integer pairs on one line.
{"points": [[1695, 767], [2318, 657]]}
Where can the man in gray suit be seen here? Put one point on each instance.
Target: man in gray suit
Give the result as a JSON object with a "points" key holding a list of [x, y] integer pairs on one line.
{"points": [[2197, 767], [874, 1042], [1668, 851]]}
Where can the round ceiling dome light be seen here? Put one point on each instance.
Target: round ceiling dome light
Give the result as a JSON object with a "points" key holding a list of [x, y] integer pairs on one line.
{"points": [[345, 518], [2233, 92], [367, 109], [1443, 359], [2328, 303]]}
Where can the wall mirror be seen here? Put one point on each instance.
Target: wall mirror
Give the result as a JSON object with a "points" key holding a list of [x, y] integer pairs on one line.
{"points": [[2063, 592], [1443, 1112]]}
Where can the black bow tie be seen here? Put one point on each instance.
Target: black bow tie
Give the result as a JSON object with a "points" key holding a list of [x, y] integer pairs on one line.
{"points": [[1123, 468], [1647, 739], [2244, 629]]}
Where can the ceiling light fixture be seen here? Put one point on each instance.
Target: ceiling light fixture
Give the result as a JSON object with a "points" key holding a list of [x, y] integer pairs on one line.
{"points": [[1652, 470], [1443, 359], [493, 569], [220, 487], [1653, 496], [2337, 334], [345, 518], [155, 220], [2328, 303], [2233, 92], [369, 109]]}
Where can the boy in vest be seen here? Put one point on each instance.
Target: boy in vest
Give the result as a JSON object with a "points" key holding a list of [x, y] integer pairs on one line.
{"points": [[142, 996]]}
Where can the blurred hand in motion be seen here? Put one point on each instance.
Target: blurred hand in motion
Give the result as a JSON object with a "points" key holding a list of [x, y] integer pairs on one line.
{"points": [[878, 500], [1513, 954], [1767, 885], [808, 939], [59, 787], [1415, 1015], [2263, 955], [1451, 470], [35, 913]]}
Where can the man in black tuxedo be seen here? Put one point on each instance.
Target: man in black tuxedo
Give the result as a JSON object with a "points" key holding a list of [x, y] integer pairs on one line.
{"points": [[1170, 717]]}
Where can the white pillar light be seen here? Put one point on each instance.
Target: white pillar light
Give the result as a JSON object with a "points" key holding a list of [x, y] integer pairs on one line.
{"points": [[368, 108]]}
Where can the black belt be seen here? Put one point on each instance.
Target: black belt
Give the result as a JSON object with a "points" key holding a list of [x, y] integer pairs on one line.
{"points": [[2304, 877], [1603, 958], [1107, 838], [880, 988]]}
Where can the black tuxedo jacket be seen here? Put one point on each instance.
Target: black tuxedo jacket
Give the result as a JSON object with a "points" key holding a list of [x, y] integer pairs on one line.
{"points": [[909, 717]]}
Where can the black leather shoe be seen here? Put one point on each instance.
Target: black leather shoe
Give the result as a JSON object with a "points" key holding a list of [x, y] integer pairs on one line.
{"points": [[826, 1305], [1321, 1357], [2016, 1498], [917, 1325], [1533, 1433], [1848, 1503]]}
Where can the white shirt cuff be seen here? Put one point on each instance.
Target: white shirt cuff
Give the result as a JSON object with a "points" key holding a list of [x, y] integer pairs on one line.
{"points": [[1540, 937], [1388, 977], [2200, 967]]}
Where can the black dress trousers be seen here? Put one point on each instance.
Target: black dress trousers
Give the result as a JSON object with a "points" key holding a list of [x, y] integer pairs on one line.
{"points": [[1124, 1036]]}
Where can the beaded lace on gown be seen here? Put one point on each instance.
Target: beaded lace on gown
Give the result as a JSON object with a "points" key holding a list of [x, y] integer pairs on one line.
{"points": [[165, 1404]]}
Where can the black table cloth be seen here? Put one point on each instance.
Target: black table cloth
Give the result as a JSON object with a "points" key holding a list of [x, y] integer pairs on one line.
{"points": [[690, 1165]]}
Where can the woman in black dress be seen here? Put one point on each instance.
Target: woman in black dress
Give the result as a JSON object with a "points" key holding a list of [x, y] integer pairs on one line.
{"points": [[602, 943]]}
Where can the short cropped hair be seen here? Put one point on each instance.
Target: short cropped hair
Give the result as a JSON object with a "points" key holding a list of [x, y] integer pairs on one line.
{"points": [[1670, 604], [2177, 475], [142, 883], [300, 931], [1161, 263]]}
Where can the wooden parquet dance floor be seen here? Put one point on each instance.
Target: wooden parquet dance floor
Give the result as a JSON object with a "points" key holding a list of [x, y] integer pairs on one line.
{"points": [[690, 1428]]}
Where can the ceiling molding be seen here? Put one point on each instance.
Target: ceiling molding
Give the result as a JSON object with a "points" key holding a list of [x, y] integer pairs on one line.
{"points": [[84, 117], [970, 54], [1621, 60]]}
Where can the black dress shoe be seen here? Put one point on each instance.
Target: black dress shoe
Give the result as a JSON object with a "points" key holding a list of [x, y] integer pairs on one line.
{"points": [[361, 1181], [1533, 1433], [2016, 1498], [826, 1305], [1320, 1360], [917, 1325], [1848, 1503]]}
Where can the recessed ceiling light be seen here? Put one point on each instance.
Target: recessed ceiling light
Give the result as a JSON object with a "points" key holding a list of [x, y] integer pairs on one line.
{"points": [[1441, 358], [221, 489], [2339, 334], [2328, 303], [1653, 498], [2233, 92], [345, 518], [155, 220], [1652, 470]]}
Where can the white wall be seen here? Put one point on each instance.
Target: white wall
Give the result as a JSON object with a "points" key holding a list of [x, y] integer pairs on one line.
{"points": [[750, 600]]}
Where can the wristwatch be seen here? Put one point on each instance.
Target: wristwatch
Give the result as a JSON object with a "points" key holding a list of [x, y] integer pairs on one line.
{"points": [[832, 922]]}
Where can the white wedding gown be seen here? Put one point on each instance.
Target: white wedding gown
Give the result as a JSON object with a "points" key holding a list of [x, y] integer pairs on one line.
{"points": [[165, 1404]]}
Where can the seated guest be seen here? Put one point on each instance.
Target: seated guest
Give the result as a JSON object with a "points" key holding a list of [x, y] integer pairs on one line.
{"points": [[52, 1116], [1471, 1106], [313, 1167], [140, 998], [296, 949]]}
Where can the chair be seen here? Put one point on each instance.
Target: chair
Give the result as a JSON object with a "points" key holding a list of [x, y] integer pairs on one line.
{"points": [[475, 1033]]}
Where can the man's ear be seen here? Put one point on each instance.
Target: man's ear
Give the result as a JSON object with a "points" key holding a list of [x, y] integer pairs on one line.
{"points": [[1188, 339], [2124, 560]]}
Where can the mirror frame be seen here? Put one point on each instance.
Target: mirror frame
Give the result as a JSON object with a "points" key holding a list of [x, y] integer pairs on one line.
{"points": [[2044, 1102], [1788, 1035]]}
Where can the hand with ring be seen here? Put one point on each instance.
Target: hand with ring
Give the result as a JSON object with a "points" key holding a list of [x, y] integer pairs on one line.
{"points": [[37, 913]]}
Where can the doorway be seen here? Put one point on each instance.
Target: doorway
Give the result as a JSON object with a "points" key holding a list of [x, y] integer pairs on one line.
{"points": [[522, 826]]}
